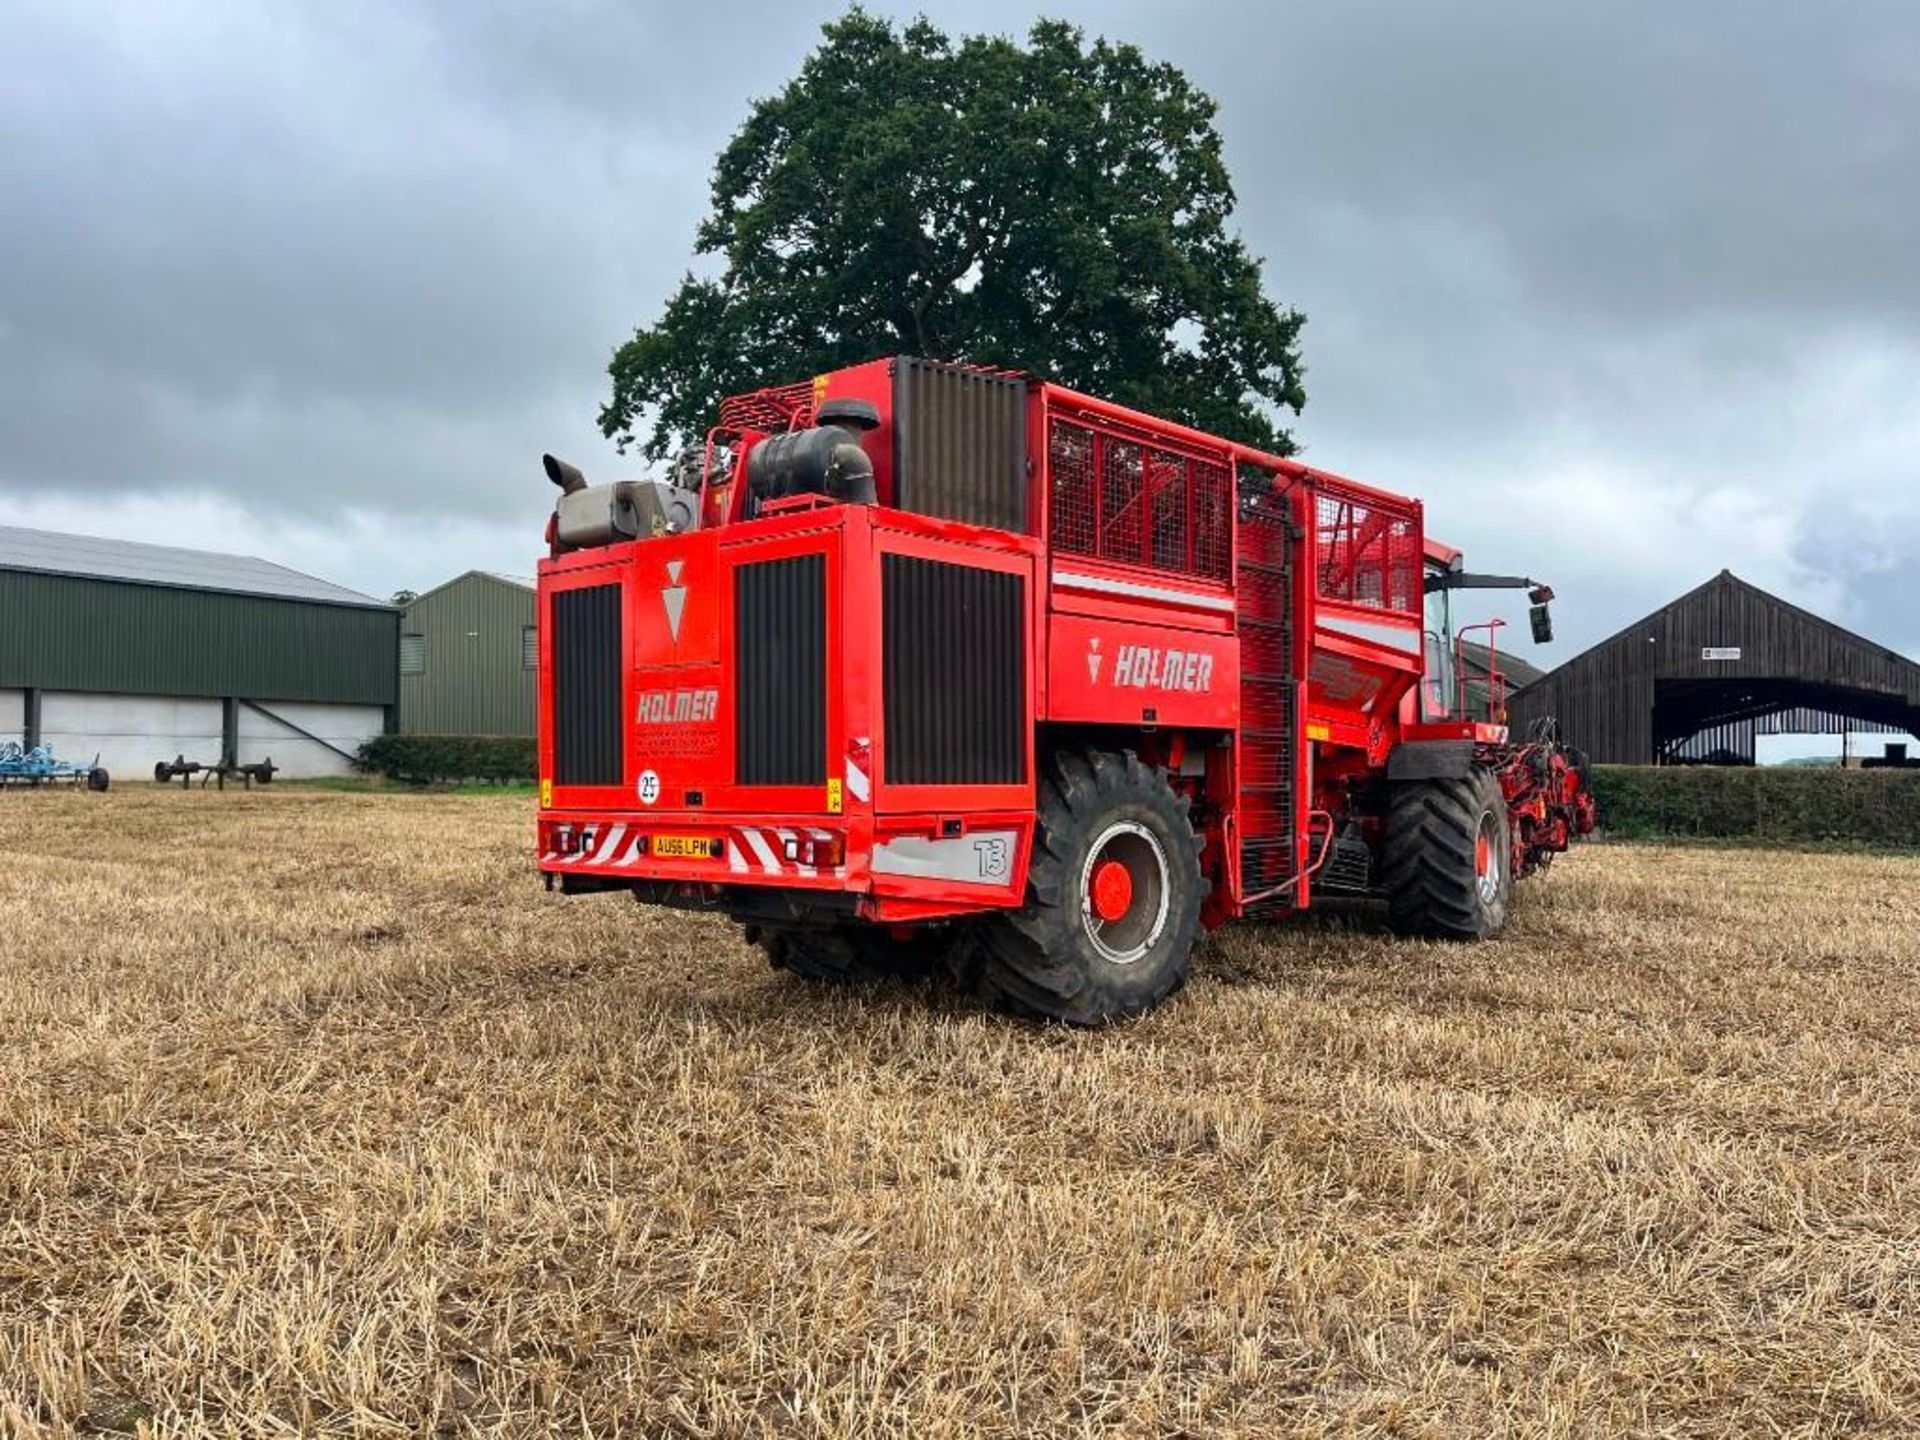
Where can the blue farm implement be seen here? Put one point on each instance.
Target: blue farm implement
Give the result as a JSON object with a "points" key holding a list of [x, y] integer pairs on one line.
{"points": [[20, 766]]}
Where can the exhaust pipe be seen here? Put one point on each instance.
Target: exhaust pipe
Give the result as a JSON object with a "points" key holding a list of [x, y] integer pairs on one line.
{"points": [[567, 477]]}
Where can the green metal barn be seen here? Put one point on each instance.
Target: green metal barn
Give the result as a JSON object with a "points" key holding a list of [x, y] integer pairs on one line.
{"points": [[468, 656], [138, 653]]}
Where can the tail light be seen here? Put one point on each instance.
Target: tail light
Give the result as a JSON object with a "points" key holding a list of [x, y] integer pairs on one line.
{"points": [[572, 840], [823, 852]]}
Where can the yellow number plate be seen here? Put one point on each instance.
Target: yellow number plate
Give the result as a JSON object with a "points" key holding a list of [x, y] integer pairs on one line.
{"points": [[687, 847]]}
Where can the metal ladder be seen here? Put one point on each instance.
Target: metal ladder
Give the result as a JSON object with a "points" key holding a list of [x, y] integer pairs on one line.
{"points": [[1264, 767]]}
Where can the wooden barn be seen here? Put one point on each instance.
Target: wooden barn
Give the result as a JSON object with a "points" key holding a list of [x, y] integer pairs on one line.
{"points": [[1482, 671], [1700, 679]]}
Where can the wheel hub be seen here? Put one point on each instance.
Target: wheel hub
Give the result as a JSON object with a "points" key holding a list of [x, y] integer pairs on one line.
{"points": [[1112, 890], [1125, 892]]}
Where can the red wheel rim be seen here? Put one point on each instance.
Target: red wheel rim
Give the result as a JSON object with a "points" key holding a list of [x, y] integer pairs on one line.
{"points": [[1112, 890], [1487, 844]]}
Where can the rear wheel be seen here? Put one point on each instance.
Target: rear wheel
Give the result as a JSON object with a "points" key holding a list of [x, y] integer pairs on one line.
{"points": [[850, 954], [1446, 861], [1112, 913], [826, 957]]}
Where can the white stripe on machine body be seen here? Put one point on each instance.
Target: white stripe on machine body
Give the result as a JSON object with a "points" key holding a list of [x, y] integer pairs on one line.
{"points": [[761, 850], [1392, 636], [1135, 589], [857, 784]]}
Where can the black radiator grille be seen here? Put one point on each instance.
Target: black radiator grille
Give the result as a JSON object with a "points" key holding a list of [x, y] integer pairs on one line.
{"points": [[586, 686], [960, 444], [780, 668], [953, 673]]}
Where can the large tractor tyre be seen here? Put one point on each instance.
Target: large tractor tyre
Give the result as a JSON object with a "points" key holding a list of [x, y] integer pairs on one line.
{"points": [[1112, 910], [1446, 860], [825, 957], [927, 951], [850, 954]]}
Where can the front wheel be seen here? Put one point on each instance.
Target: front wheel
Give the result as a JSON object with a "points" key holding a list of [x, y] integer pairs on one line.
{"points": [[1112, 913], [1446, 861]]}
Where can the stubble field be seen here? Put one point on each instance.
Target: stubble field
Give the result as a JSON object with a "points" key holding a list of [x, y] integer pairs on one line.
{"points": [[318, 1116]]}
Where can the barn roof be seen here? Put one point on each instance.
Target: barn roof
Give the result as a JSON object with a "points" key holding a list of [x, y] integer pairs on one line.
{"points": [[1519, 672], [94, 557], [1726, 660], [1728, 583], [517, 582]]}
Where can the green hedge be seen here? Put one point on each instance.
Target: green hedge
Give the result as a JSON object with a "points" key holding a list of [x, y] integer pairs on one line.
{"points": [[1792, 804], [429, 759]]}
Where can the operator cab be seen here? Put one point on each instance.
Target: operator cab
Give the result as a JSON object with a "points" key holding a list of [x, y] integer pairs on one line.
{"points": [[1444, 691]]}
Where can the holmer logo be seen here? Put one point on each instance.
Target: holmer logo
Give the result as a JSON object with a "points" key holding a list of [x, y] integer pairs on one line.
{"points": [[674, 596], [1148, 667], [677, 707]]}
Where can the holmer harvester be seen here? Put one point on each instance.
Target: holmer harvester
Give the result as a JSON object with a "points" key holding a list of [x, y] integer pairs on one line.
{"points": [[923, 661]]}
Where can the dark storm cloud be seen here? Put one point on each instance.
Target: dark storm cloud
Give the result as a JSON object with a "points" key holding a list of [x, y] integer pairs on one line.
{"points": [[1625, 292]]}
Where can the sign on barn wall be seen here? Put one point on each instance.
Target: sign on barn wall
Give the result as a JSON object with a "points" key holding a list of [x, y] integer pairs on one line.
{"points": [[1720, 652]]}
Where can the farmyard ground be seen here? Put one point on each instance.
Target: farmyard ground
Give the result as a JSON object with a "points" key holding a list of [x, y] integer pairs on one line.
{"points": [[316, 1114]]}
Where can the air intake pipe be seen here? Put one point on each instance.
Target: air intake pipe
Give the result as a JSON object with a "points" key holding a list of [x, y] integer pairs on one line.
{"points": [[826, 460]]}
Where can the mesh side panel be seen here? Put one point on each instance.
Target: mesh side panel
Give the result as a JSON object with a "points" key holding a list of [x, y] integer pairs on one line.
{"points": [[586, 686], [780, 670], [1150, 505], [1366, 555], [1211, 514], [1120, 489], [1169, 502], [777, 408], [1075, 496]]}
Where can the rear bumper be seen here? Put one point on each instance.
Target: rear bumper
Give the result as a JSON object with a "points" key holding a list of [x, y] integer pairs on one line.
{"points": [[894, 868], [695, 849]]}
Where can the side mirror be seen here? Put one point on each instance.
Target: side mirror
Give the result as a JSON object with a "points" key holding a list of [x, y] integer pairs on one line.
{"points": [[1540, 619]]}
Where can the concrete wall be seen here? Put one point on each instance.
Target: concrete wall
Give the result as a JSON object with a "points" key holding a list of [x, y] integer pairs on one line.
{"points": [[128, 732], [13, 715], [346, 727], [132, 732]]}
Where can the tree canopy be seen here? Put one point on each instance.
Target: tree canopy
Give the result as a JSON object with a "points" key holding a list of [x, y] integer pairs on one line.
{"points": [[1060, 207]]}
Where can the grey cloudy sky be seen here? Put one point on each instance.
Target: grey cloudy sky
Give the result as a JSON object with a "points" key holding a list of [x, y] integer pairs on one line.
{"points": [[1627, 293]]}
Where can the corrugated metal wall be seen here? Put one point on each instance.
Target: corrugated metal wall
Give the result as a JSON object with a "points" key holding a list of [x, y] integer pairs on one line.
{"points": [[475, 680], [1604, 698], [63, 632]]}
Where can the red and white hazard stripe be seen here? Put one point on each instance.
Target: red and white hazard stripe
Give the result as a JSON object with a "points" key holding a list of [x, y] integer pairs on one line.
{"points": [[756, 850]]}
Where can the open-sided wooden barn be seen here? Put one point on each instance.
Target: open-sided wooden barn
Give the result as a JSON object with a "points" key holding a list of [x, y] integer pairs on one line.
{"points": [[1701, 678]]}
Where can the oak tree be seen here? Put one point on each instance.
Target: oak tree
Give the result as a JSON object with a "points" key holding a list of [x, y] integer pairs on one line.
{"points": [[1060, 207]]}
